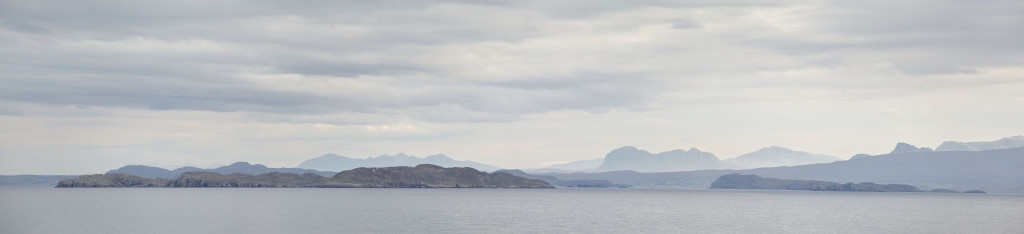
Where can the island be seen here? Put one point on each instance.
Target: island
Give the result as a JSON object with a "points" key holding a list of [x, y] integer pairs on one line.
{"points": [[738, 181], [421, 176]]}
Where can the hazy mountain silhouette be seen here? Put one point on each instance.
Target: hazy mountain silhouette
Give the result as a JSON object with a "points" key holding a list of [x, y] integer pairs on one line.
{"points": [[631, 158], [991, 170], [238, 167], [908, 148], [151, 172], [859, 156], [1004, 143], [778, 156], [581, 165], [333, 162]]}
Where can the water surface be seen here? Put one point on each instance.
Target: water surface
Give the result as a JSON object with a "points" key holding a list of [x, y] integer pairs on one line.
{"points": [[310, 210]]}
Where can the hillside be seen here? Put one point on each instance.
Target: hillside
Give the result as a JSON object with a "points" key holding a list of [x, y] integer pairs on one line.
{"points": [[333, 162]]}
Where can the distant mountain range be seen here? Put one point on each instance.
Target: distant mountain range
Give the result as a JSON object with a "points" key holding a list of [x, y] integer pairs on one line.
{"points": [[238, 167], [631, 158], [1004, 143], [998, 170], [778, 157], [333, 162], [947, 164], [582, 165]]}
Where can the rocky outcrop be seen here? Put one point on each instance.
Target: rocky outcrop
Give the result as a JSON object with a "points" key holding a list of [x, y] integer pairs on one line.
{"points": [[272, 179], [422, 176], [430, 176], [738, 181]]}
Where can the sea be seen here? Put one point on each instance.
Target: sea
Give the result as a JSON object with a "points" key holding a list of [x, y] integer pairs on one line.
{"points": [[563, 210]]}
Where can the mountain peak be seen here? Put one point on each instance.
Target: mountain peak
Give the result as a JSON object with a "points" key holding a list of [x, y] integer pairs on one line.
{"points": [[908, 148], [627, 148], [775, 149], [438, 157], [245, 165], [631, 158], [330, 155], [1004, 143], [777, 156], [860, 156]]}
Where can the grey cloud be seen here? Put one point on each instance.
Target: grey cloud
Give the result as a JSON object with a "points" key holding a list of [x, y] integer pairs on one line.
{"points": [[22, 26], [153, 95], [580, 9], [388, 57], [920, 37]]}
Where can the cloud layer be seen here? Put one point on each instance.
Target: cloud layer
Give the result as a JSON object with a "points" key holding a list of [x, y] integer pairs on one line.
{"points": [[371, 77]]}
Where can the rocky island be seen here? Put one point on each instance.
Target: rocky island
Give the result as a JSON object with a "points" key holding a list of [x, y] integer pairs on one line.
{"points": [[738, 181], [421, 176]]}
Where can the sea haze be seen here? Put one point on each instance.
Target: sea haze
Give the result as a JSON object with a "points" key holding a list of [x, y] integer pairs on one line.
{"points": [[269, 210]]}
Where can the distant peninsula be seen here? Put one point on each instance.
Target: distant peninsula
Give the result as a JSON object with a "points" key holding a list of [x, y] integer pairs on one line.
{"points": [[738, 181], [421, 176]]}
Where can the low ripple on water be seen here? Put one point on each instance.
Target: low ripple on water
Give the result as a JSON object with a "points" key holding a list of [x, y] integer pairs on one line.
{"points": [[274, 210]]}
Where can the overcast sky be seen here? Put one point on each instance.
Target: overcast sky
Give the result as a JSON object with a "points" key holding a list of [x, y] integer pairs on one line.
{"points": [[88, 86]]}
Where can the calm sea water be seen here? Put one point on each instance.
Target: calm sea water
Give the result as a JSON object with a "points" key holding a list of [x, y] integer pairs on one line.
{"points": [[266, 210]]}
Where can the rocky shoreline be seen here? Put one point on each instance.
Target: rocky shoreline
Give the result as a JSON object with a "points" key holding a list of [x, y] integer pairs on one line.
{"points": [[739, 181], [421, 176]]}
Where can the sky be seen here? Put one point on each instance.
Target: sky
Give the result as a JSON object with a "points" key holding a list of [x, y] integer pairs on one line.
{"points": [[89, 86]]}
